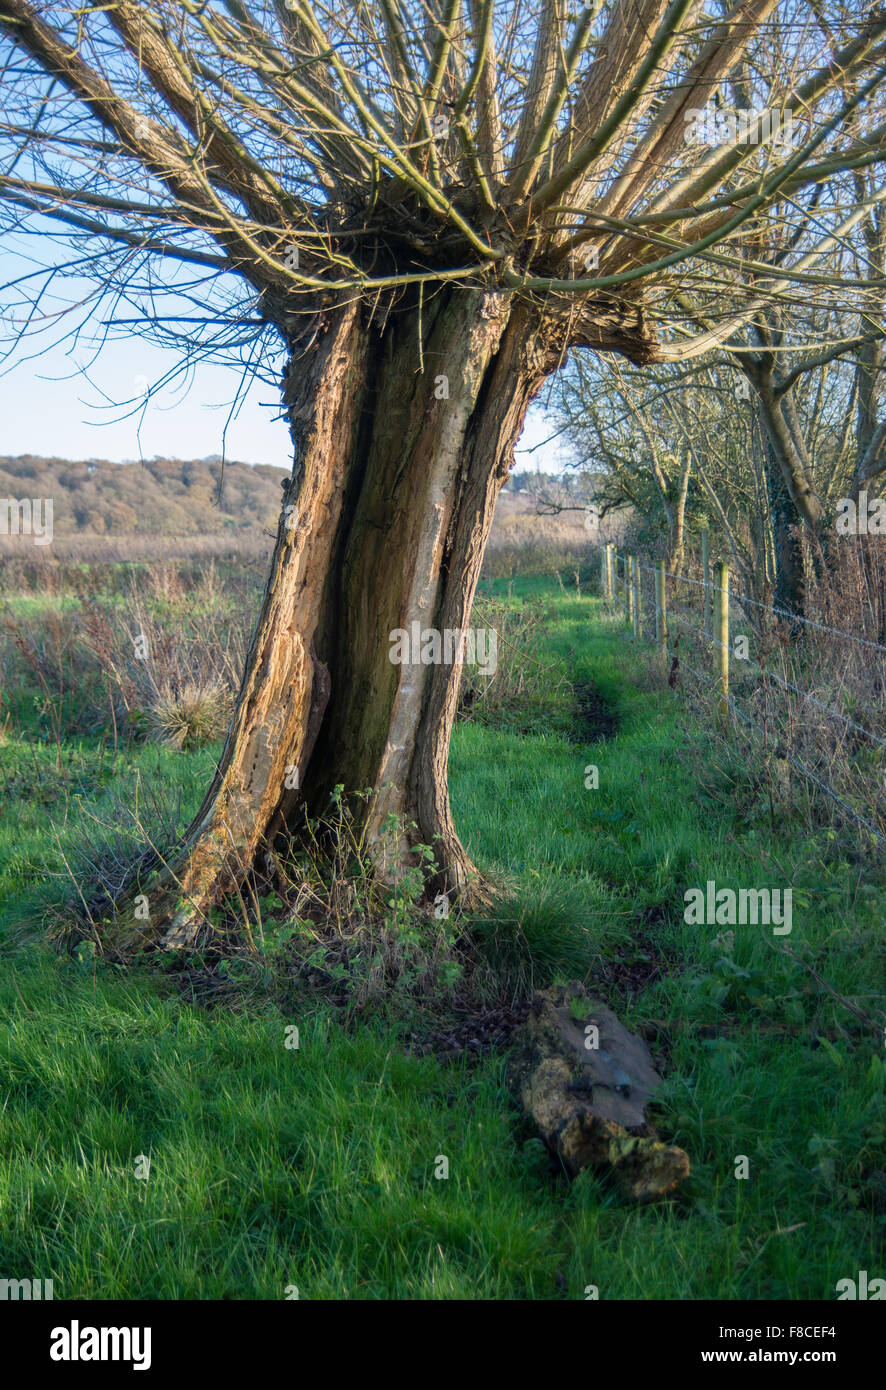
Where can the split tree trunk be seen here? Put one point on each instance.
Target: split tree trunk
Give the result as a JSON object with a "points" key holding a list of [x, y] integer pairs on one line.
{"points": [[403, 435], [401, 448]]}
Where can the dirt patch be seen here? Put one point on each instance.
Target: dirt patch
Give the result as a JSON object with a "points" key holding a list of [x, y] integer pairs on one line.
{"points": [[625, 972], [473, 1037], [630, 972], [205, 988], [595, 718]]}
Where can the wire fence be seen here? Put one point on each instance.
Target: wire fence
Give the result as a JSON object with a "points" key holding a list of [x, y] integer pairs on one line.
{"points": [[656, 600]]}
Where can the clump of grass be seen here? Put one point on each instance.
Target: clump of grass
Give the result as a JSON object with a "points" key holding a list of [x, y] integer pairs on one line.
{"points": [[189, 716], [550, 930]]}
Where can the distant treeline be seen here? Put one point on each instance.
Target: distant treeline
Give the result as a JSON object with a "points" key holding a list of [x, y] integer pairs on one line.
{"points": [[158, 497]]}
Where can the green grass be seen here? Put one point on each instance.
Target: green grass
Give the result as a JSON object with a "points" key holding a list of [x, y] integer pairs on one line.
{"points": [[272, 1167]]}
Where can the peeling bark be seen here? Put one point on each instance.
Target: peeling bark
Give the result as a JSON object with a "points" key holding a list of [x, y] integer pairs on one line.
{"points": [[285, 686]]}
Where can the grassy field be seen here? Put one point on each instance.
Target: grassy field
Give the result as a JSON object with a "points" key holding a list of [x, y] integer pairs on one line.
{"points": [[272, 1168]]}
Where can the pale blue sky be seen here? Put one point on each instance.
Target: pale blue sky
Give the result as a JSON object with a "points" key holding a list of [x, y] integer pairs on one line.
{"points": [[48, 406]]}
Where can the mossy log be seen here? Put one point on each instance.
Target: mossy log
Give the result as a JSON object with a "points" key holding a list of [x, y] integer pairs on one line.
{"points": [[586, 1081]]}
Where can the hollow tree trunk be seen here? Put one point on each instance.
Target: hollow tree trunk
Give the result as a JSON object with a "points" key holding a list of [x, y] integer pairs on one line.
{"points": [[400, 452]]}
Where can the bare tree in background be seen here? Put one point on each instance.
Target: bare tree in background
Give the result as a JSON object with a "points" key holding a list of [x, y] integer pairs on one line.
{"points": [[427, 204], [804, 376]]}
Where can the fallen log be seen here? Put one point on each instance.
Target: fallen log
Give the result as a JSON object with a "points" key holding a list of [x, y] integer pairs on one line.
{"points": [[586, 1081]]}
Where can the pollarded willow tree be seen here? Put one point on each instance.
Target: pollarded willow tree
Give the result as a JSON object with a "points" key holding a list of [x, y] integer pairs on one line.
{"points": [[428, 203]]}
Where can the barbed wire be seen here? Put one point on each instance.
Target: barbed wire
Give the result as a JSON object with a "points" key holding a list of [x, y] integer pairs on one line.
{"points": [[785, 684], [765, 607], [801, 767], [713, 684]]}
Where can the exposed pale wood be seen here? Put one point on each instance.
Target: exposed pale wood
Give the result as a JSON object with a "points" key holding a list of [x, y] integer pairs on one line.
{"points": [[586, 1082]]}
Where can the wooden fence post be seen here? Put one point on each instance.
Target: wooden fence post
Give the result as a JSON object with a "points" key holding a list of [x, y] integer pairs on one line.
{"points": [[629, 589], [638, 616], [604, 570], [723, 640], [661, 609]]}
